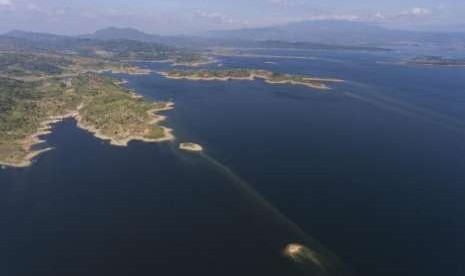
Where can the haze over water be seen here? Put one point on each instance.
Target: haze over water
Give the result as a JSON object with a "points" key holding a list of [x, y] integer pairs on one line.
{"points": [[372, 169]]}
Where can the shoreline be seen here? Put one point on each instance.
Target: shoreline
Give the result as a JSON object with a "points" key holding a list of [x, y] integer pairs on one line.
{"points": [[46, 127], [253, 76], [167, 132], [166, 75], [132, 71], [173, 62], [191, 147], [34, 140], [195, 64]]}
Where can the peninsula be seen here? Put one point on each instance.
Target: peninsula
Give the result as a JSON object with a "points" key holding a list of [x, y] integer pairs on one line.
{"points": [[41, 84], [251, 74], [97, 103]]}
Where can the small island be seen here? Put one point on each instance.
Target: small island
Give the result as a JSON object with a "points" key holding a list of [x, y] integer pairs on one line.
{"points": [[436, 61], [194, 61], [301, 254], [250, 74], [191, 147]]}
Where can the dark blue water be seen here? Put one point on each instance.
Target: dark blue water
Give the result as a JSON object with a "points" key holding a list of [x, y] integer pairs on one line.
{"points": [[374, 170], [88, 208]]}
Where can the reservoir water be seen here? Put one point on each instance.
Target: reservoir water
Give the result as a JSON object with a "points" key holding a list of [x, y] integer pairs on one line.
{"points": [[373, 170]]}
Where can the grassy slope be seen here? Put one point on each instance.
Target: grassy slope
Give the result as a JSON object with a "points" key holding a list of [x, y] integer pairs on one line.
{"points": [[113, 110], [246, 73], [106, 107]]}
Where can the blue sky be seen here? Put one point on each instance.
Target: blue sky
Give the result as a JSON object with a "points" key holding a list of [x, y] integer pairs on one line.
{"points": [[189, 16]]}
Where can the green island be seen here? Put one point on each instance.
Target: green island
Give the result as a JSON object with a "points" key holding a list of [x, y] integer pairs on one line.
{"points": [[37, 90], [190, 147], [436, 61], [31, 66], [250, 74]]}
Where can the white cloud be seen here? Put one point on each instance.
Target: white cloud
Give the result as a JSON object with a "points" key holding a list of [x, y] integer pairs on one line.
{"points": [[379, 16], [412, 13], [214, 17], [34, 7], [6, 3], [280, 2], [117, 12], [286, 3], [50, 11], [417, 11], [59, 12], [89, 15], [335, 16]]}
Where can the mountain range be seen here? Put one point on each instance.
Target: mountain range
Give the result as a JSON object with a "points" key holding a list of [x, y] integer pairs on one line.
{"points": [[339, 32], [320, 34]]}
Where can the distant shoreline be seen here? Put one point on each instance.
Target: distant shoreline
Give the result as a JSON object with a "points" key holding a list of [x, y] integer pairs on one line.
{"points": [[315, 83], [173, 62]]}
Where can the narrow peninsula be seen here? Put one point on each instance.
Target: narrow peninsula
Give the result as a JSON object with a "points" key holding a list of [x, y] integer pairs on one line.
{"points": [[251, 74]]}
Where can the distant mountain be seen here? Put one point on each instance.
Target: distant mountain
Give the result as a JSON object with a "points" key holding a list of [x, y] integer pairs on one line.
{"points": [[320, 35], [34, 35], [113, 33], [205, 42], [133, 38], [338, 32], [118, 48], [22, 40], [449, 28]]}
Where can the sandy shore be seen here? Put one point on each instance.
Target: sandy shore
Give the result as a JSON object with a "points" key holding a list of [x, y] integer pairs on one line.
{"points": [[166, 75], [122, 82], [129, 71], [155, 119], [323, 79], [167, 135], [27, 161], [173, 62], [33, 140], [46, 128], [319, 86], [191, 147], [195, 64]]}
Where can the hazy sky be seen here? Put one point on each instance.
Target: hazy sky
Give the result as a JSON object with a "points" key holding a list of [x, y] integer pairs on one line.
{"points": [[187, 16]]}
